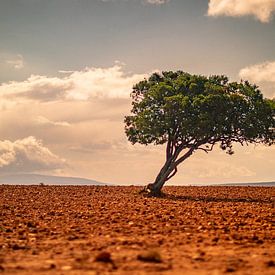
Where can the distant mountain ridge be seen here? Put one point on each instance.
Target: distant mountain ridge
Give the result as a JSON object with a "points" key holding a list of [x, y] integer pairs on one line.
{"points": [[265, 183], [28, 179]]}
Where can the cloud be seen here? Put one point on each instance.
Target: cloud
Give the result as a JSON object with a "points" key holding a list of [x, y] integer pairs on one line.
{"points": [[16, 62], [157, 2], [40, 120], [37, 87], [151, 2], [262, 74], [86, 84], [261, 9], [27, 155]]}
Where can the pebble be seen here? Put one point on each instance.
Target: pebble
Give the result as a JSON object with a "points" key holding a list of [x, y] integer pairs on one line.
{"points": [[104, 257], [270, 263], [150, 256], [230, 269]]}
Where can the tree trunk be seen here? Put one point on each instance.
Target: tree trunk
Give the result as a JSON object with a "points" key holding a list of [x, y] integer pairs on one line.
{"points": [[166, 172]]}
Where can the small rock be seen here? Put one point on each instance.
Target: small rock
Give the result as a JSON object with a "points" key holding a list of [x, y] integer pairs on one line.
{"points": [[215, 240], [199, 256], [230, 269], [270, 263], [72, 238], [18, 247], [50, 264], [30, 224], [35, 252], [150, 256], [104, 257]]}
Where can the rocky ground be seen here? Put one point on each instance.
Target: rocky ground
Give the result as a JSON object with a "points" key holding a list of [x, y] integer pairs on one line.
{"points": [[114, 230]]}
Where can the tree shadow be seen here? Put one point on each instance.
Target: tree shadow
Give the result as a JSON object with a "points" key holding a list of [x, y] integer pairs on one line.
{"points": [[216, 199]]}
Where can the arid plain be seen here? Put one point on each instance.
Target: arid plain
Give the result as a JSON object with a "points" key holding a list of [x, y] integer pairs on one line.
{"points": [[115, 230]]}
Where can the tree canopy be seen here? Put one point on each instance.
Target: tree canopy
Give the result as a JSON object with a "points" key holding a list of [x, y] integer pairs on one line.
{"points": [[194, 112]]}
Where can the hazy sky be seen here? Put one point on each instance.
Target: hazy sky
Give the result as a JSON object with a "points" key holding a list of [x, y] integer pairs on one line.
{"points": [[67, 68]]}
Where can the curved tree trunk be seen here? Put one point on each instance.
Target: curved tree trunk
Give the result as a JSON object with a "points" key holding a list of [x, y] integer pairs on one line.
{"points": [[168, 170]]}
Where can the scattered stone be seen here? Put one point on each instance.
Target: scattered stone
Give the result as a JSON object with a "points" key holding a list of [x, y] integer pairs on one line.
{"points": [[150, 256], [31, 224], [72, 237], [18, 247], [215, 240], [15, 247], [230, 269], [270, 263], [35, 252], [199, 256], [50, 264], [104, 257]]}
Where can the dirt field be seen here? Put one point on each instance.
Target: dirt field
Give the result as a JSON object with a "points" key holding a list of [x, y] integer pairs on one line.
{"points": [[113, 230]]}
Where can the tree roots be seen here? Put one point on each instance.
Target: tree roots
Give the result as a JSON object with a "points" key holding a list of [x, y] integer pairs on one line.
{"points": [[150, 191]]}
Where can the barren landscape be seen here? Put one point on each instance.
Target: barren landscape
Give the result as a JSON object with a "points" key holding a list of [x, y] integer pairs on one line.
{"points": [[115, 230]]}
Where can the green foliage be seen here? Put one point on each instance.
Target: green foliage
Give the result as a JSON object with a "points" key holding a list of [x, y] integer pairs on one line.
{"points": [[193, 110]]}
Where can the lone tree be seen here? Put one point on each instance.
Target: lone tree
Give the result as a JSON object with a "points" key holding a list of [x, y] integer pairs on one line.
{"points": [[194, 112]]}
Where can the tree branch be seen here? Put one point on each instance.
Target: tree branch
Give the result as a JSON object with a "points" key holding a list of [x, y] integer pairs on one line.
{"points": [[207, 150], [168, 148], [185, 156]]}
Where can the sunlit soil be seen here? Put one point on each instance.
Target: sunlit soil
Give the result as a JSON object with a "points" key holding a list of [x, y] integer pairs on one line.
{"points": [[114, 230]]}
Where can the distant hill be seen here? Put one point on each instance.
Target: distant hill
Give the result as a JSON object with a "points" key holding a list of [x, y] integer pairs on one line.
{"points": [[270, 183], [28, 179]]}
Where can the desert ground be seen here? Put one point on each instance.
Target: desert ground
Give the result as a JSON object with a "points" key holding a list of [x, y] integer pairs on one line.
{"points": [[115, 230]]}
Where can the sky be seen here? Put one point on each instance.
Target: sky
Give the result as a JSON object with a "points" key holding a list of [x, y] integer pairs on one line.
{"points": [[67, 68]]}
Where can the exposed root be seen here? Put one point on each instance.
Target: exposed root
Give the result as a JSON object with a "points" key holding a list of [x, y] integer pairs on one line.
{"points": [[150, 191]]}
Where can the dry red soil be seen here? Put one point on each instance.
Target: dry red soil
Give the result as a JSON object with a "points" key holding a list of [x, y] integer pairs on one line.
{"points": [[114, 230]]}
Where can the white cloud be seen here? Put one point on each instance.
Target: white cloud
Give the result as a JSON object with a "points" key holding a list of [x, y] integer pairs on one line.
{"points": [[16, 62], [77, 85], [261, 9], [27, 155], [157, 2], [37, 87], [152, 2], [40, 120], [262, 74]]}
